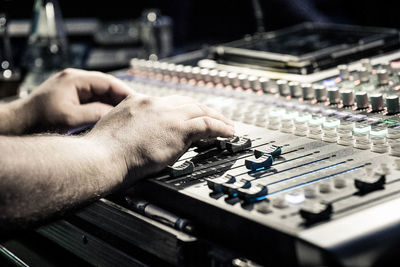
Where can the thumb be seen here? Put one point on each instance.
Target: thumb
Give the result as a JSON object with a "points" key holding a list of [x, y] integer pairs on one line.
{"points": [[89, 113]]}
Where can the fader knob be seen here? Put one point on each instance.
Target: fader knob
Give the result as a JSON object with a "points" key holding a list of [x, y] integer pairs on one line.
{"points": [[383, 76], [347, 97], [362, 100], [392, 104], [306, 90], [295, 90], [377, 102], [344, 71], [333, 95], [283, 87], [320, 93]]}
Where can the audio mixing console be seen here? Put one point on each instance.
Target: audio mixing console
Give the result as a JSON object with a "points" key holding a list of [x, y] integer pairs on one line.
{"points": [[312, 177], [314, 167]]}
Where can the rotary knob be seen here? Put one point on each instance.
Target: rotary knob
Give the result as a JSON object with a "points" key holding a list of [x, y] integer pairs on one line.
{"points": [[196, 73], [363, 75], [253, 83], [347, 97], [283, 87], [223, 76], [295, 90], [233, 79], [383, 76], [377, 102], [386, 66], [306, 90], [243, 81], [362, 100], [320, 93], [344, 71], [179, 70], [392, 104], [366, 63], [333, 95], [205, 75], [264, 83], [187, 70]]}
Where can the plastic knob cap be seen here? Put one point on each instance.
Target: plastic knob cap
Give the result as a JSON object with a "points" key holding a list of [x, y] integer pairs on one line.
{"points": [[362, 100], [392, 104], [347, 98]]}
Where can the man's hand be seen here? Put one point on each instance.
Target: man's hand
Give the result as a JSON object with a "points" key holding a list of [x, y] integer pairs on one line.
{"points": [[153, 132], [70, 98], [74, 97]]}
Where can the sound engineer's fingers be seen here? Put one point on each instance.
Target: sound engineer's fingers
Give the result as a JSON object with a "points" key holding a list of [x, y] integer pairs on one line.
{"points": [[207, 127], [101, 86], [191, 111]]}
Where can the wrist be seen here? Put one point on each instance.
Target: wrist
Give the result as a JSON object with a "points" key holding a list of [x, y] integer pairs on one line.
{"points": [[110, 161], [16, 117]]}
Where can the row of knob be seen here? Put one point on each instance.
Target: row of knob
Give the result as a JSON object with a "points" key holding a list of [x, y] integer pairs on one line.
{"points": [[205, 75], [306, 91], [365, 72]]}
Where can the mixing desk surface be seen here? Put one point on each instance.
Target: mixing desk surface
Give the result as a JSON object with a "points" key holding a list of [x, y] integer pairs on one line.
{"points": [[312, 177], [313, 166]]}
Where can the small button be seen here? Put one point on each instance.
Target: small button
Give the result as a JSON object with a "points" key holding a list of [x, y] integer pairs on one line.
{"points": [[279, 202], [295, 197], [310, 192], [339, 182], [263, 207], [325, 187]]}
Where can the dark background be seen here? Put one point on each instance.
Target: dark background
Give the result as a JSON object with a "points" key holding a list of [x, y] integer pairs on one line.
{"points": [[198, 21]]}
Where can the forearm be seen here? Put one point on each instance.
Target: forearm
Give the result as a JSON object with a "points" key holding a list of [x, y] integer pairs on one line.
{"points": [[16, 117], [41, 175]]}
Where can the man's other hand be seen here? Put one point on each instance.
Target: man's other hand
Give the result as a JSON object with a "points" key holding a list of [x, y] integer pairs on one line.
{"points": [[74, 97]]}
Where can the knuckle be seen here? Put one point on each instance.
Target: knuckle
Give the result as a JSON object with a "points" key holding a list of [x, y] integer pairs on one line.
{"points": [[207, 124], [66, 72], [145, 101]]}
